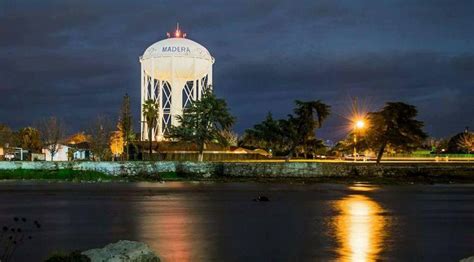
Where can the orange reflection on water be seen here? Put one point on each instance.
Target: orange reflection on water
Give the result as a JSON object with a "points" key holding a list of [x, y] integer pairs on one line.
{"points": [[167, 231], [362, 187], [360, 228]]}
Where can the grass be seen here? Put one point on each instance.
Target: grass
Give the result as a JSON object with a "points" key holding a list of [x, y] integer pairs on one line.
{"points": [[170, 176], [61, 174], [79, 175]]}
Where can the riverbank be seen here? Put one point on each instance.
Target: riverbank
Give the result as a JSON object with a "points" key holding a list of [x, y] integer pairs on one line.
{"points": [[251, 169], [87, 176]]}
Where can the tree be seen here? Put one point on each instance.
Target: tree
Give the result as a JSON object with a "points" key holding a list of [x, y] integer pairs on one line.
{"points": [[309, 116], [126, 124], [52, 133], [150, 113], [77, 138], [231, 137], [395, 126], [99, 137], [466, 142], [116, 143], [6, 136], [297, 133], [267, 134], [437, 145], [346, 146], [203, 122], [459, 143], [29, 138], [289, 135]]}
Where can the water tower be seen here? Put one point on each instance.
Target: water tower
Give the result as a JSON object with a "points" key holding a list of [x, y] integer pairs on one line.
{"points": [[174, 72]]}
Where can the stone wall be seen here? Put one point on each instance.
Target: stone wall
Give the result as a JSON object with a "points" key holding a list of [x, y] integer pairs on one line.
{"points": [[253, 169], [129, 168], [326, 169]]}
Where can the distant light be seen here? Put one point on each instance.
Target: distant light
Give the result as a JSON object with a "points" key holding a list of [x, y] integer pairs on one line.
{"points": [[177, 33], [360, 124]]}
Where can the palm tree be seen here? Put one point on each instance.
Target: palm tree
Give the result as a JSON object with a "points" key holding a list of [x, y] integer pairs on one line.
{"points": [[395, 126], [309, 116], [203, 122], [286, 135], [150, 113], [315, 112]]}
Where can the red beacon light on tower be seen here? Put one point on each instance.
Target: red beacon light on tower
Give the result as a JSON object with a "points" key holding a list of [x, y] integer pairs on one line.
{"points": [[177, 33]]}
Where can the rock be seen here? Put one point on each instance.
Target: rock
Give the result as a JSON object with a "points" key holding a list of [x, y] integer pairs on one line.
{"points": [[261, 199], [467, 259], [124, 250]]}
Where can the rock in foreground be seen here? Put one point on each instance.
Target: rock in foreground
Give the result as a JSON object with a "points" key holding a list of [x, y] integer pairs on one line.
{"points": [[261, 199], [467, 259], [124, 250]]}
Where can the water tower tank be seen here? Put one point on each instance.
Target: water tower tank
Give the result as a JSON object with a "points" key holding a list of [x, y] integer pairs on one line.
{"points": [[175, 72]]}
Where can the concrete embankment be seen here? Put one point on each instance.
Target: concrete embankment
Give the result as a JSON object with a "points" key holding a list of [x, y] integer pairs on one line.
{"points": [[254, 169]]}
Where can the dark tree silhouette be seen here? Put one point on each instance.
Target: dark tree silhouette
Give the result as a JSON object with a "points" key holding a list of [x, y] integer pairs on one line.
{"points": [[203, 122], [309, 116], [150, 113], [395, 126], [267, 134], [126, 124], [286, 135]]}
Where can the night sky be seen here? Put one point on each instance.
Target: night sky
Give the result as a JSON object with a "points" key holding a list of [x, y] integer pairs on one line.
{"points": [[76, 59]]}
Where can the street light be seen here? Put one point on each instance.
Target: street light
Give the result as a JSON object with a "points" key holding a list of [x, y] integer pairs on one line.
{"points": [[358, 125]]}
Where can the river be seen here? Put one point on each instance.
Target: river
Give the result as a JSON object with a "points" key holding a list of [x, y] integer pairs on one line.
{"points": [[205, 221]]}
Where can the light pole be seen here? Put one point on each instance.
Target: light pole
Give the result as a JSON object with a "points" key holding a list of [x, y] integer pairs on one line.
{"points": [[359, 125]]}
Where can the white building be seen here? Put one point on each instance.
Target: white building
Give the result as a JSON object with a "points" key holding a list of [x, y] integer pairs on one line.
{"points": [[174, 72], [68, 152], [60, 155]]}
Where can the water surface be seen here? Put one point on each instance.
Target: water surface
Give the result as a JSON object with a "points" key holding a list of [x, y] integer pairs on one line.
{"points": [[190, 221]]}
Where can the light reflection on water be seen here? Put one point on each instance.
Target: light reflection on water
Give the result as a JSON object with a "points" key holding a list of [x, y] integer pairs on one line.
{"points": [[169, 232], [360, 227], [169, 225]]}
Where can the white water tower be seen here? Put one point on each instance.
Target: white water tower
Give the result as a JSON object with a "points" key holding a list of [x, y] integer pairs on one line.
{"points": [[174, 72]]}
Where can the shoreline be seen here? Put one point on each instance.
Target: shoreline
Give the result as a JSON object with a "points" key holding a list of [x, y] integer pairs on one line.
{"points": [[260, 172], [84, 177]]}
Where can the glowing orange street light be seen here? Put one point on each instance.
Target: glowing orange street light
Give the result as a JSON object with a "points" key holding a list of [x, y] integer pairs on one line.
{"points": [[358, 125]]}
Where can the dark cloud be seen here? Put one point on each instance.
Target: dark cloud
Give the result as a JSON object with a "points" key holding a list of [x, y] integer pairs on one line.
{"points": [[76, 59]]}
